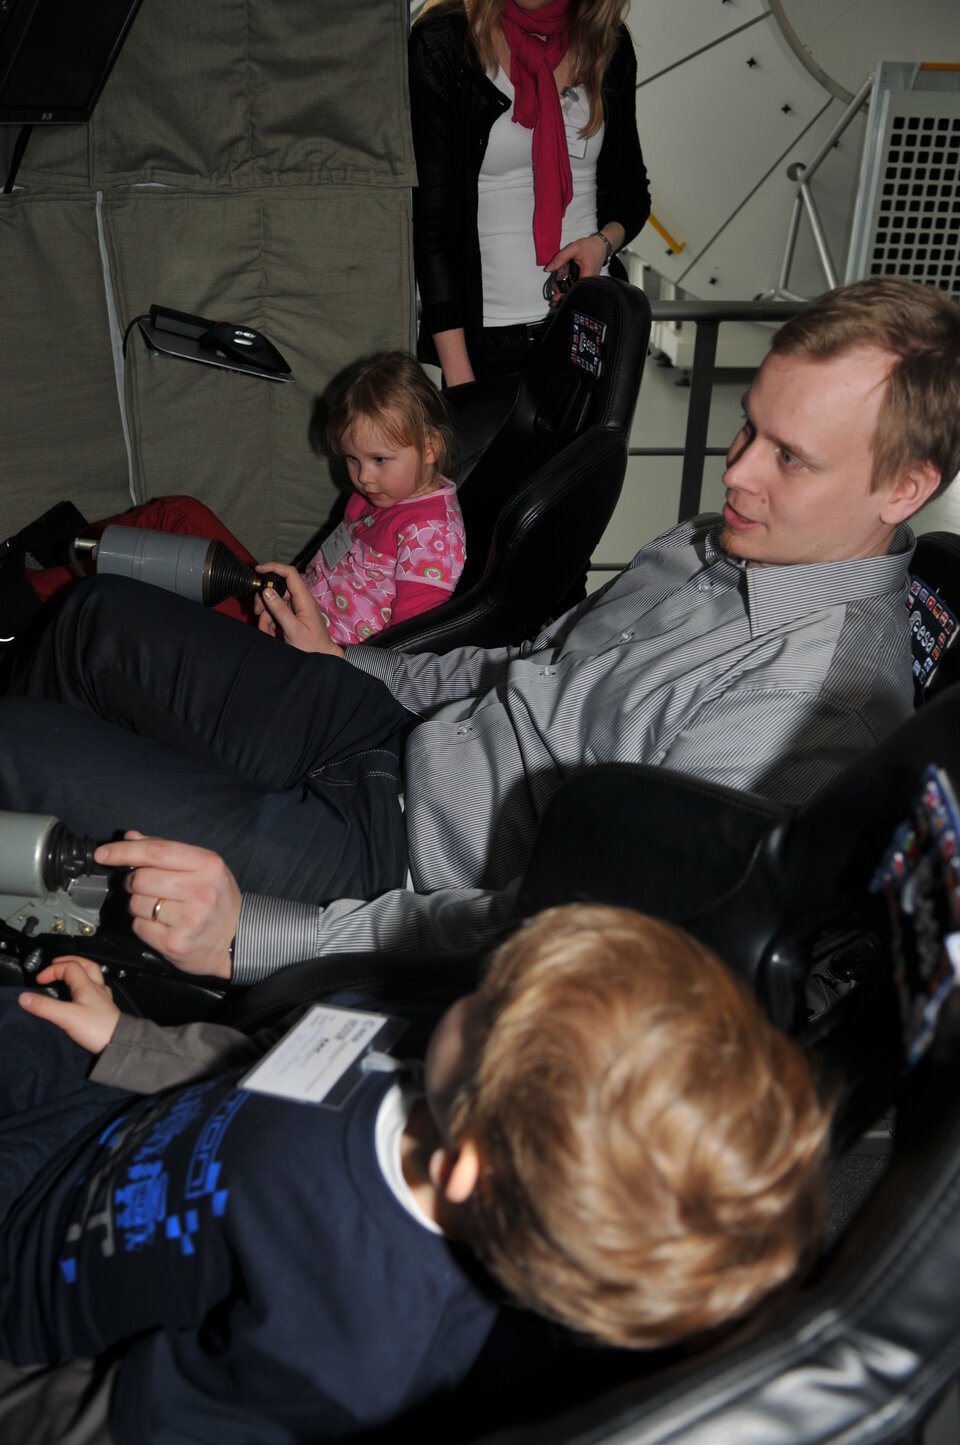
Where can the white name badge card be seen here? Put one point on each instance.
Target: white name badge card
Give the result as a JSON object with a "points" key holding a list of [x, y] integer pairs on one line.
{"points": [[339, 542], [320, 1060], [576, 114], [336, 546]]}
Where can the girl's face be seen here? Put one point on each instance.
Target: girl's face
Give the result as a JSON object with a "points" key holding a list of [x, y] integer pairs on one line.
{"points": [[383, 472]]}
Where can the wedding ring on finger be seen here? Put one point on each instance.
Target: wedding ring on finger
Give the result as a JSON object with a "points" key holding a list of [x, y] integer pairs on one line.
{"points": [[155, 912]]}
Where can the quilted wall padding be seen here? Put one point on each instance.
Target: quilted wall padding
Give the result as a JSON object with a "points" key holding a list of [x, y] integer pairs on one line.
{"points": [[60, 430], [247, 161]]}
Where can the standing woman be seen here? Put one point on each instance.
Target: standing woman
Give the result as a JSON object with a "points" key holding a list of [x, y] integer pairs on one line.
{"points": [[524, 126]]}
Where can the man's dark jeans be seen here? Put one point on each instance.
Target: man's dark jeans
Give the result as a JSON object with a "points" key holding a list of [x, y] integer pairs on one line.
{"points": [[188, 725]]}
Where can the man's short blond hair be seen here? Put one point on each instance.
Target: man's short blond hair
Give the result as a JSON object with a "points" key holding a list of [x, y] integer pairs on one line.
{"points": [[919, 417], [651, 1147]]}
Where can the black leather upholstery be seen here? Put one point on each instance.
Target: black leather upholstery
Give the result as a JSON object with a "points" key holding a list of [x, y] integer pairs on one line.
{"points": [[542, 461], [742, 874]]}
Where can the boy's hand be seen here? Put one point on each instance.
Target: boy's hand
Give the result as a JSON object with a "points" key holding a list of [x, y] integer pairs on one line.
{"points": [[296, 618], [184, 900], [91, 1018]]}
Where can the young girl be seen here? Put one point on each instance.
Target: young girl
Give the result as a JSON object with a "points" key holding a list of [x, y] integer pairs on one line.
{"points": [[399, 551], [400, 548]]}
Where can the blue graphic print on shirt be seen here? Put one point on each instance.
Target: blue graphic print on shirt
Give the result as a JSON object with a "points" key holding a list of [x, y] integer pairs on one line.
{"points": [[129, 1195]]}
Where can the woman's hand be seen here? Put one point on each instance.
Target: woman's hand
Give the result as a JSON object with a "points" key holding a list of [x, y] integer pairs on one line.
{"points": [[91, 1018], [589, 252], [184, 900], [295, 618]]}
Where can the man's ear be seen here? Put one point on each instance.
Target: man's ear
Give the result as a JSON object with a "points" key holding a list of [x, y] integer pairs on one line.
{"points": [[913, 487], [455, 1175]]}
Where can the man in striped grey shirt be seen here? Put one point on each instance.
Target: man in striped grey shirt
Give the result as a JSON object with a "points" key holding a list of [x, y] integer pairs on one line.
{"points": [[764, 649]]}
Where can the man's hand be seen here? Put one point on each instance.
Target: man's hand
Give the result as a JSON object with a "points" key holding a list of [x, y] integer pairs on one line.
{"points": [[184, 900], [91, 1018], [296, 618]]}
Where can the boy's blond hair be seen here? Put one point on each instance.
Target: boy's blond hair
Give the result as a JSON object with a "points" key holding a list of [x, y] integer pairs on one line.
{"points": [[651, 1147], [392, 392]]}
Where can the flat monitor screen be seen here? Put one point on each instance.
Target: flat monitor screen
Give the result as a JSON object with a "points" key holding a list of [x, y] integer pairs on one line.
{"points": [[55, 56]]}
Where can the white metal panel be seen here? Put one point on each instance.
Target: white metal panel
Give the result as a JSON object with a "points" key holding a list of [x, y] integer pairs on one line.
{"points": [[744, 258], [848, 38], [666, 32], [740, 344], [711, 130]]}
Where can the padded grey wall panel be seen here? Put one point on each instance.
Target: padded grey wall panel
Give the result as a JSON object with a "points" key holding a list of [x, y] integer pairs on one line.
{"points": [[322, 304], [247, 162], [59, 409], [224, 91]]}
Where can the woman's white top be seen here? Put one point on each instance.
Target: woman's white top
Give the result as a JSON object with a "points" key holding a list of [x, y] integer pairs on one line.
{"points": [[512, 279]]}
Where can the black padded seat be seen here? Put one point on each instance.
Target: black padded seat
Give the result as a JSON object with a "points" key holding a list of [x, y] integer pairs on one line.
{"points": [[752, 879]]}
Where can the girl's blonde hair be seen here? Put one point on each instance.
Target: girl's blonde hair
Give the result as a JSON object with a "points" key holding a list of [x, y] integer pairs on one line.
{"points": [[392, 392], [593, 36]]}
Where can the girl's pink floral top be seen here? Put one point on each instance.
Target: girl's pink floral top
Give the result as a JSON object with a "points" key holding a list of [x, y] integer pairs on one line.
{"points": [[385, 564]]}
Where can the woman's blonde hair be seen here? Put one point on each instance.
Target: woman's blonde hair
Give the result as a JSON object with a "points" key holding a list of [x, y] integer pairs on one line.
{"points": [[651, 1147], [392, 392], [593, 36]]}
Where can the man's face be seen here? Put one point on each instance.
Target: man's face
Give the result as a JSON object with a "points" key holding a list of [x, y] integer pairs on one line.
{"points": [[799, 472]]}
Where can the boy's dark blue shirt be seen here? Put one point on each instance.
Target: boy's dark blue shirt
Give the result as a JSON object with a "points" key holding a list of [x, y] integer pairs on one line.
{"points": [[272, 1286]]}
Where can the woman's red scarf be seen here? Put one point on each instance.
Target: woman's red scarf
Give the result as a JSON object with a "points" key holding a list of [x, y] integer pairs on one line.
{"points": [[537, 105]]}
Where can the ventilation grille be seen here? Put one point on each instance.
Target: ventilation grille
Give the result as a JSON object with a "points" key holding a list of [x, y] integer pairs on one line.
{"points": [[911, 181]]}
